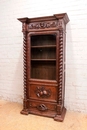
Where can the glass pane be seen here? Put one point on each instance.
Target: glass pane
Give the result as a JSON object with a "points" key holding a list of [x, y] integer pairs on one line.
{"points": [[43, 57]]}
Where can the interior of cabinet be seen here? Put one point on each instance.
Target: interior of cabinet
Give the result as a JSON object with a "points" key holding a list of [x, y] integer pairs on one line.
{"points": [[43, 57]]}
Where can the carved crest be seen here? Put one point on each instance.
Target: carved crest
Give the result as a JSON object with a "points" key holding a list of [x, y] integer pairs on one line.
{"points": [[43, 25]]}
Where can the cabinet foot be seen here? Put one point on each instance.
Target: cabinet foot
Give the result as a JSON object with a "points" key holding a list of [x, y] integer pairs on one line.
{"points": [[25, 112], [60, 117]]}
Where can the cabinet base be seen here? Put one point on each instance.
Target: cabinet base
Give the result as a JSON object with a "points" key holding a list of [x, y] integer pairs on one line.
{"points": [[25, 112], [56, 118], [60, 117]]}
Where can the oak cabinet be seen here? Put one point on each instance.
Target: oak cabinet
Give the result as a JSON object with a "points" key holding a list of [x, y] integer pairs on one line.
{"points": [[44, 41]]}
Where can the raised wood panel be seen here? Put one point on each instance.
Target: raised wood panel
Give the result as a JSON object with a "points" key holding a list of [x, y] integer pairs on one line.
{"points": [[43, 92]]}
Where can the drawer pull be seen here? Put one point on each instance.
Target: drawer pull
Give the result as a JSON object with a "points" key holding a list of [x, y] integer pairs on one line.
{"points": [[42, 107], [42, 92]]}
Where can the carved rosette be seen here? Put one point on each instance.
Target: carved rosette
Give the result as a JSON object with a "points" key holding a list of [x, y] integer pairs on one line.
{"points": [[43, 25], [25, 63], [60, 71]]}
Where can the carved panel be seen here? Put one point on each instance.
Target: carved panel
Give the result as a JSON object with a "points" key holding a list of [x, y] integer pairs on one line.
{"points": [[42, 107], [43, 25], [42, 92], [61, 24], [24, 27]]}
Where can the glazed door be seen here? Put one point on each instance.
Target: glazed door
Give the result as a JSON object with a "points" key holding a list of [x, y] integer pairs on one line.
{"points": [[44, 56]]}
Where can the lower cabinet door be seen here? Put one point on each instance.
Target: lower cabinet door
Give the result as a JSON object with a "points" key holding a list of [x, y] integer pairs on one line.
{"points": [[43, 92], [42, 108]]}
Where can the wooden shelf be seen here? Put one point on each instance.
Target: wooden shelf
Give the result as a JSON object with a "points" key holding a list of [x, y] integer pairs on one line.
{"points": [[43, 59], [44, 46]]}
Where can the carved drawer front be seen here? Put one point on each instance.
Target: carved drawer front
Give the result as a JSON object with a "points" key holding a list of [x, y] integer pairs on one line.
{"points": [[43, 92], [42, 108]]}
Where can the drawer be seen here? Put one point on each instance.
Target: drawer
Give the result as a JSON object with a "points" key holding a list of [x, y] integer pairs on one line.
{"points": [[42, 108], [43, 92]]}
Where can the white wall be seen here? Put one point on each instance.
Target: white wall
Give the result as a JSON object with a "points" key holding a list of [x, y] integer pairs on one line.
{"points": [[11, 72]]}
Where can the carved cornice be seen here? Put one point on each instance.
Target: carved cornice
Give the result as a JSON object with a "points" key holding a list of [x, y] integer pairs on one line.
{"points": [[57, 21], [63, 16], [24, 20]]}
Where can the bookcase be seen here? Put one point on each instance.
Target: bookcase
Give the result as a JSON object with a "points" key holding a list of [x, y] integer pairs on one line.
{"points": [[44, 41]]}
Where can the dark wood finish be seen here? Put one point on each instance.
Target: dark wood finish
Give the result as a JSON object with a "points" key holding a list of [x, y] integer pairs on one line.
{"points": [[44, 65], [41, 92]]}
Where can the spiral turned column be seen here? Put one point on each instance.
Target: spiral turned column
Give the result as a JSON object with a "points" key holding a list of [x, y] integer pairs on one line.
{"points": [[60, 72], [25, 64], [24, 111]]}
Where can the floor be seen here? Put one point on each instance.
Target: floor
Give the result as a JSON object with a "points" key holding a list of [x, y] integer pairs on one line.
{"points": [[11, 119]]}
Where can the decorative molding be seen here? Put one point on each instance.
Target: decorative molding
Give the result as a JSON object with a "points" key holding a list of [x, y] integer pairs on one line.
{"points": [[43, 25]]}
